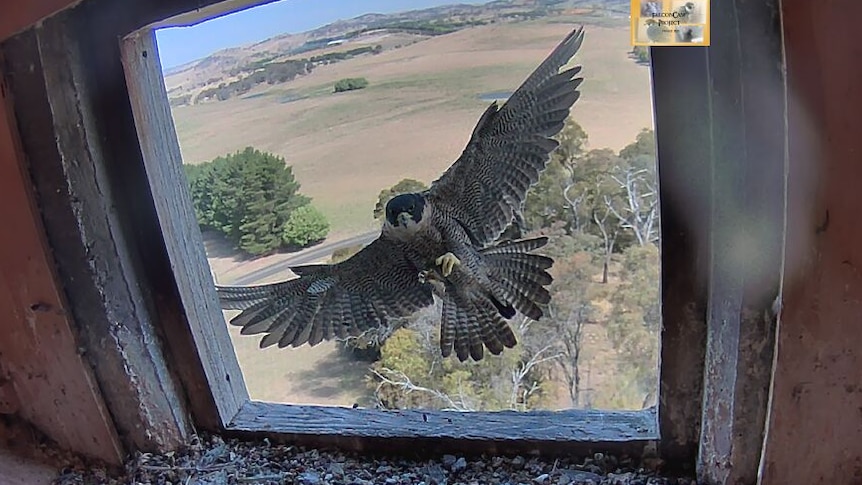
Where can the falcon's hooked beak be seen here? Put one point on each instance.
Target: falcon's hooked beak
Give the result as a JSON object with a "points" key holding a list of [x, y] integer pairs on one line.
{"points": [[403, 219]]}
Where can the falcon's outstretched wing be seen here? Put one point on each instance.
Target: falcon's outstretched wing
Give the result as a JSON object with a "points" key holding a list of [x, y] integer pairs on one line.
{"points": [[375, 285], [486, 187]]}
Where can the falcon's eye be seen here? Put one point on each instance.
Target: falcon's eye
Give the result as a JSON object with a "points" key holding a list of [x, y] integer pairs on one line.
{"points": [[412, 208]]}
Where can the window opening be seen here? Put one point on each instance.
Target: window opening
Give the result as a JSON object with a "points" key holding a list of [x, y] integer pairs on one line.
{"points": [[294, 140]]}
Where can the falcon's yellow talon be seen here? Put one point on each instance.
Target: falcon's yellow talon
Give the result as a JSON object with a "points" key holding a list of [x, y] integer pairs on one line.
{"points": [[447, 263]]}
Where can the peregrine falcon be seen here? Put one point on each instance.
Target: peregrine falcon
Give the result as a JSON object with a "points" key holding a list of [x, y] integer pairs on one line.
{"points": [[441, 241]]}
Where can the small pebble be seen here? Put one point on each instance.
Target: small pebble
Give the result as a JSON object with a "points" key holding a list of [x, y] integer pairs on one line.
{"points": [[336, 469], [578, 476], [310, 478]]}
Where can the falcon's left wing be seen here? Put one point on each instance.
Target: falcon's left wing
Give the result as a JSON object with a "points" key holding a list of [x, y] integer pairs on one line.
{"points": [[486, 187], [369, 289]]}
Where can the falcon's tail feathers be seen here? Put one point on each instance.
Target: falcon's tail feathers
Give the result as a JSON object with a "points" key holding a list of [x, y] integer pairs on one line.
{"points": [[520, 277], [475, 321], [468, 326]]}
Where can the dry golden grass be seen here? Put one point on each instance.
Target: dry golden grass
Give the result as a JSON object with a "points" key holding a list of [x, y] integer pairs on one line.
{"points": [[416, 115], [317, 375]]}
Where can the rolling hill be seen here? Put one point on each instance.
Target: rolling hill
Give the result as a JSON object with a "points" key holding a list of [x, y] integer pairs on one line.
{"points": [[299, 53]]}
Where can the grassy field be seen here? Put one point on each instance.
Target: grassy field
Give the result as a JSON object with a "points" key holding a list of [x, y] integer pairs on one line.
{"points": [[412, 121], [417, 113]]}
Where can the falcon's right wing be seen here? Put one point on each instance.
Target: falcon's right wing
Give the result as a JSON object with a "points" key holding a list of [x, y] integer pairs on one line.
{"points": [[510, 146], [369, 289]]}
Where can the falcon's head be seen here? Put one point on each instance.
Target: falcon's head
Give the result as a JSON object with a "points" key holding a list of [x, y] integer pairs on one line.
{"points": [[405, 211]]}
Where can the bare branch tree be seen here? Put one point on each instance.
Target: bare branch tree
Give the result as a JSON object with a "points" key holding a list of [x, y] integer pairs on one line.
{"points": [[574, 204], [570, 332], [520, 391], [641, 210], [609, 237], [400, 380], [524, 323]]}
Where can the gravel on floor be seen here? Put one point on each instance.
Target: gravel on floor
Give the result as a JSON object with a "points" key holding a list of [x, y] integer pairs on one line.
{"points": [[210, 460]]}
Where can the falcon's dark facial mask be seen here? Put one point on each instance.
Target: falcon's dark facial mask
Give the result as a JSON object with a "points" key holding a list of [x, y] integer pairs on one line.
{"points": [[405, 208]]}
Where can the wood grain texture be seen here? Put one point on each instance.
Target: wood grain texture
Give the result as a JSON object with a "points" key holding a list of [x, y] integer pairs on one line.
{"points": [[74, 114], [680, 92], [481, 432], [42, 376], [223, 385], [746, 123], [815, 420], [108, 177]]}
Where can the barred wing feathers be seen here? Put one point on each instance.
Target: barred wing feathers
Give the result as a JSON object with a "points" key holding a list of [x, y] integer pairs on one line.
{"points": [[369, 289], [510, 146]]}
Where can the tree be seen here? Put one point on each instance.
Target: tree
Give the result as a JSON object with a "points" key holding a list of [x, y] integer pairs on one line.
{"points": [[412, 374], [637, 204], [305, 225], [591, 181], [404, 186], [572, 295], [635, 322], [584, 205], [641, 154], [596, 205], [576, 185], [546, 202], [609, 237], [248, 196], [639, 211]]}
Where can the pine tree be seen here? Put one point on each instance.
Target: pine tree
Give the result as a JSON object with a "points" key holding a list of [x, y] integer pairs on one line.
{"points": [[248, 196]]}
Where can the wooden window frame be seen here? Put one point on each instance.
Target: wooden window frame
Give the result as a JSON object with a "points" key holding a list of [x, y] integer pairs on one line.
{"points": [[131, 259], [163, 161]]}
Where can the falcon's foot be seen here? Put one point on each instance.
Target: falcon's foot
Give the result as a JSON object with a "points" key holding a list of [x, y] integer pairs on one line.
{"points": [[426, 276], [447, 263], [433, 278]]}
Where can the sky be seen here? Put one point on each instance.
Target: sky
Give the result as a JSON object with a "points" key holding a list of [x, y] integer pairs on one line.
{"points": [[180, 45]]}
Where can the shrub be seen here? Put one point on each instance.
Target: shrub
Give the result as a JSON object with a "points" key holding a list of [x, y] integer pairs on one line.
{"points": [[350, 83], [304, 226]]}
